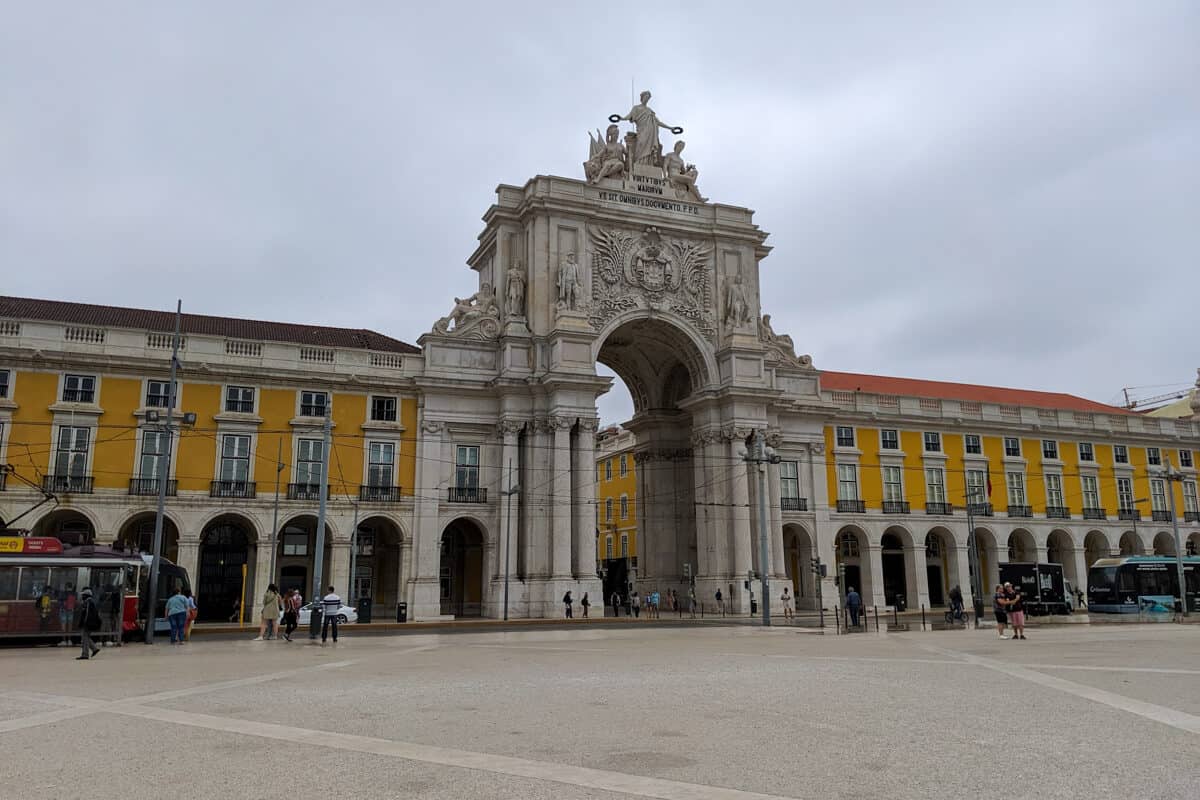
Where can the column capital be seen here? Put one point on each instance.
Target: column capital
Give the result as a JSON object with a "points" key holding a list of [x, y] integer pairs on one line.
{"points": [[509, 427], [432, 426], [736, 433]]}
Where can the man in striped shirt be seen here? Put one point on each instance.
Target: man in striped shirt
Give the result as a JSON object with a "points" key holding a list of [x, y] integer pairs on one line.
{"points": [[331, 607]]}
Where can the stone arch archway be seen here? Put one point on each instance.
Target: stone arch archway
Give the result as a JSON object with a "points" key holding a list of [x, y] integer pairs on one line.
{"points": [[941, 566], [1060, 549], [1131, 544], [853, 560], [71, 526], [1095, 547], [989, 558], [1022, 547], [225, 577], [1164, 544], [461, 568], [136, 534], [295, 557], [798, 546], [1192, 546], [898, 566], [378, 564]]}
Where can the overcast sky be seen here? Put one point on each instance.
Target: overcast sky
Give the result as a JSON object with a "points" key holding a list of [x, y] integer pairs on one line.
{"points": [[994, 193]]}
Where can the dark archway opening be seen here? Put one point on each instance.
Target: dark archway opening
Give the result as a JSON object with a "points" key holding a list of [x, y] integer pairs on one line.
{"points": [[224, 571], [892, 557], [461, 569]]}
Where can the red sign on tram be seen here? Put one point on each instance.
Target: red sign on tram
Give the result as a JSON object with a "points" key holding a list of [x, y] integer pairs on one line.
{"points": [[30, 544]]}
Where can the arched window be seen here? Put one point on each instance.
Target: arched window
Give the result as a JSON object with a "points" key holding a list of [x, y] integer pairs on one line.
{"points": [[933, 546], [849, 545]]}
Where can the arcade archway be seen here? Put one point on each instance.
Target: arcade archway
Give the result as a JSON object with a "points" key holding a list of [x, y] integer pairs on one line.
{"points": [[69, 526], [461, 573], [1021, 546], [798, 546], [137, 535], [296, 546], [1131, 544], [226, 569]]}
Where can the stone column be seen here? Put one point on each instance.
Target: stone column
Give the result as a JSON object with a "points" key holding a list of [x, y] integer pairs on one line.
{"points": [[189, 559], [583, 559], [740, 508], [537, 499], [339, 571], [426, 602], [962, 560], [775, 491], [875, 567], [256, 585], [560, 531], [1079, 558], [507, 536], [404, 572], [920, 574], [707, 564], [644, 526]]}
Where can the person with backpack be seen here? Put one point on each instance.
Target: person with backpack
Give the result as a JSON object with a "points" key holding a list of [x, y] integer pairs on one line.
{"points": [[89, 623], [568, 603], [616, 604], [585, 604], [44, 605], [176, 615], [291, 613]]}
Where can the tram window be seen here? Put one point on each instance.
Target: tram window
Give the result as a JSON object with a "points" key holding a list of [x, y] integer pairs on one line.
{"points": [[1128, 584], [104, 578], [1158, 582], [33, 580], [64, 579], [8, 583], [131, 580], [1104, 578]]}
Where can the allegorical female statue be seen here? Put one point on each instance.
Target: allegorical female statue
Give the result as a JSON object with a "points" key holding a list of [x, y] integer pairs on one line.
{"points": [[681, 176], [516, 290], [647, 123]]}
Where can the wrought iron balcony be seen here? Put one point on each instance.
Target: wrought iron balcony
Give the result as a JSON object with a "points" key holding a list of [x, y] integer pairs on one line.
{"points": [[895, 507], [466, 494], [379, 494], [242, 489], [149, 487], [67, 484], [1020, 511], [1058, 512], [1095, 513], [313, 410], [1129, 514], [981, 509], [305, 491], [852, 506], [1161, 516], [79, 395], [939, 508], [793, 503], [1188, 516]]}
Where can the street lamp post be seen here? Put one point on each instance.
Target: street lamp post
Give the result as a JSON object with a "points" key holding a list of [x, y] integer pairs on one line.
{"points": [[1175, 476], [762, 455], [513, 489], [977, 583]]}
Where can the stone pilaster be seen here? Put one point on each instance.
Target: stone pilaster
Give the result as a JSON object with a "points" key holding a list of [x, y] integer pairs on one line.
{"points": [[583, 467], [561, 508]]}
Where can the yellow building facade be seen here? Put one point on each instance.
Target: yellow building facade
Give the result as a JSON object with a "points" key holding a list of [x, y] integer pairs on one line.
{"points": [[616, 503]]}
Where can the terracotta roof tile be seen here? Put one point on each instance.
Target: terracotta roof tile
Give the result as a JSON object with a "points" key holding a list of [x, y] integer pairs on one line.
{"points": [[913, 387], [24, 308]]}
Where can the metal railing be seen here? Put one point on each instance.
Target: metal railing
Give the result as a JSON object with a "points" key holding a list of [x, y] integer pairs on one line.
{"points": [[1188, 516], [1020, 511], [379, 494], [1058, 512], [1161, 516], [313, 410], [144, 487], [895, 507], [852, 506], [305, 491], [79, 395], [242, 489], [939, 508], [982, 509], [67, 484], [466, 494], [1129, 514], [793, 503], [1095, 513]]}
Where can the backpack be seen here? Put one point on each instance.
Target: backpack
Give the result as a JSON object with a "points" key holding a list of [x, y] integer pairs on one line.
{"points": [[567, 597], [91, 616]]}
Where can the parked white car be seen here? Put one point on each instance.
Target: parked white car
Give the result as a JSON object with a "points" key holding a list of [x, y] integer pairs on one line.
{"points": [[345, 614]]}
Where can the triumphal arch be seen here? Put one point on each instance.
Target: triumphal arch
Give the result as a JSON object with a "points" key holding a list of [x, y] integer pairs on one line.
{"points": [[631, 267]]}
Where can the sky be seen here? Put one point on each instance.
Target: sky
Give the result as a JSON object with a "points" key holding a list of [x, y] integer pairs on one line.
{"points": [[989, 193]]}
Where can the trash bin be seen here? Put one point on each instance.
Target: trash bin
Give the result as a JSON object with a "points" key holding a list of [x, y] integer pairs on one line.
{"points": [[900, 604], [364, 609], [753, 606], [402, 612]]}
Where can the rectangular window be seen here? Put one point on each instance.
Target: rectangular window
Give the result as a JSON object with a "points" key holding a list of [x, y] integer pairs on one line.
{"points": [[1189, 497], [4, 382], [1054, 491], [1012, 446], [314, 404], [1091, 492], [1049, 449], [847, 482], [308, 461], [1120, 454], [1016, 488], [1125, 494], [1087, 453], [154, 446], [295, 544], [1185, 457], [789, 479], [935, 484], [845, 436], [235, 457], [79, 389], [1154, 456], [889, 440], [608, 469], [893, 490], [381, 460], [624, 545], [624, 465], [383, 409], [466, 467], [239, 399], [624, 506], [972, 444], [158, 393], [608, 508], [976, 486], [1158, 495], [933, 442], [70, 456], [608, 546]]}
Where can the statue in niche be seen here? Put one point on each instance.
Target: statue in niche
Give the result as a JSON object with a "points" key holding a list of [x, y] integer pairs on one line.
{"points": [[737, 307], [516, 290], [682, 177], [647, 149], [479, 310], [607, 156], [568, 283]]}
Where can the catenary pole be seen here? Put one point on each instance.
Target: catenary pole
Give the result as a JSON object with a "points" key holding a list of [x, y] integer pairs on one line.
{"points": [[275, 513], [1174, 477], [510, 493], [164, 469], [319, 556]]}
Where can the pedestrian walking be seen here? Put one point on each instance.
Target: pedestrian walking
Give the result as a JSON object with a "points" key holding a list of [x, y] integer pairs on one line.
{"points": [[1000, 609], [291, 613], [192, 612], [331, 606], [616, 604], [956, 603], [654, 601], [692, 600], [66, 611], [635, 602], [720, 602], [585, 604], [89, 623], [853, 605], [1016, 610], [270, 614], [786, 600], [176, 615], [237, 611], [110, 610], [568, 604]]}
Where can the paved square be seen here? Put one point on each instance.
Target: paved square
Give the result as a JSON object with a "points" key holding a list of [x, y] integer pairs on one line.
{"points": [[720, 713]]}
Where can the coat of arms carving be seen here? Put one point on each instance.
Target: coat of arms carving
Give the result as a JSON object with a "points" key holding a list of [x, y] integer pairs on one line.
{"points": [[650, 271]]}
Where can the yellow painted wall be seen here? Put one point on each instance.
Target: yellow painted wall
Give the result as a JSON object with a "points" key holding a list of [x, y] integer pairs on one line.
{"points": [[30, 444], [1107, 478], [913, 445], [196, 457], [1035, 481], [993, 448], [1068, 453], [613, 489], [407, 466], [346, 459], [116, 437], [956, 481], [830, 468], [870, 479]]}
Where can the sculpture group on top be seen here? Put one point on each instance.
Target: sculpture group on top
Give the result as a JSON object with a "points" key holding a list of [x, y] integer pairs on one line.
{"points": [[641, 152]]}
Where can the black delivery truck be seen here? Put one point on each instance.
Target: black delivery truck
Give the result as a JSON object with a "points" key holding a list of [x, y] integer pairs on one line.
{"points": [[1042, 585]]}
